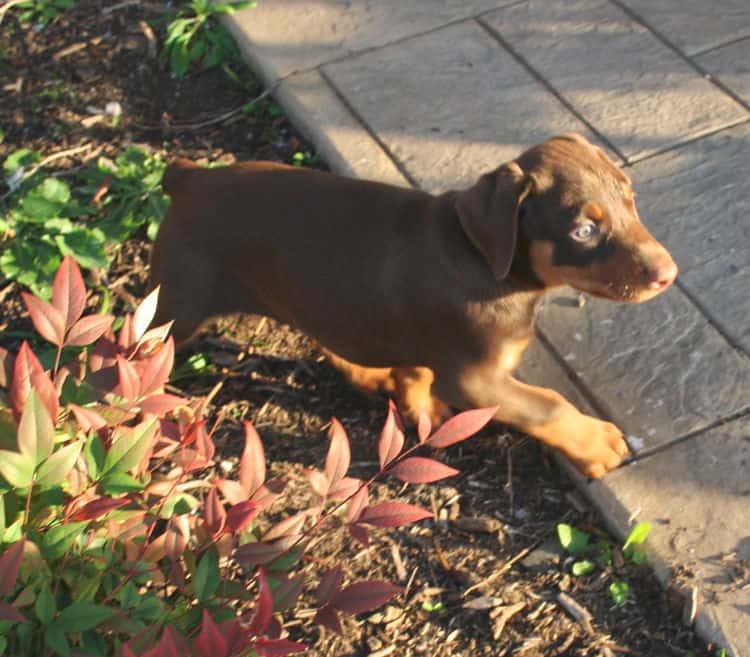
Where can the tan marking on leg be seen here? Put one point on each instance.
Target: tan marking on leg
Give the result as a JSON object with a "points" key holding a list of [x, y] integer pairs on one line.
{"points": [[414, 395], [369, 379]]}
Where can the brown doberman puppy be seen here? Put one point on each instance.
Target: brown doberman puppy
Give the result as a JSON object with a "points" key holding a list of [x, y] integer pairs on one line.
{"points": [[430, 298]]}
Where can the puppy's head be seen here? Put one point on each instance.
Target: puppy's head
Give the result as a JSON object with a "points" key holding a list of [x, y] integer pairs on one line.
{"points": [[564, 213]]}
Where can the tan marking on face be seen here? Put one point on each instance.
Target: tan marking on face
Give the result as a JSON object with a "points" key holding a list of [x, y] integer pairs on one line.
{"points": [[593, 211]]}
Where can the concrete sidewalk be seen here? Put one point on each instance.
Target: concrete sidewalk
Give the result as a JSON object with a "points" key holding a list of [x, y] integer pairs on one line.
{"points": [[433, 93]]}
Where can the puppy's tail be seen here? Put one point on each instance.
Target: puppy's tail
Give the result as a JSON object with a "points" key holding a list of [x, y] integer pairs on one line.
{"points": [[176, 174]]}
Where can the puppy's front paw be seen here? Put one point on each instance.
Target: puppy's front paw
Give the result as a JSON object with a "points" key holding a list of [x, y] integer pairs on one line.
{"points": [[597, 447]]}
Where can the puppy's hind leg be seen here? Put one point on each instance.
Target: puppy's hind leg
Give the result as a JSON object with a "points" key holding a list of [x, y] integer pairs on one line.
{"points": [[368, 379]]}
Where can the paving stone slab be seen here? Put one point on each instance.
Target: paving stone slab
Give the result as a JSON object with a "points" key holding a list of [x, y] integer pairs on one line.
{"points": [[697, 495], [324, 119], [695, 199], [631, 87], [658, 368], [695, 25], [449, 114], [295, 35], [731, 66]]}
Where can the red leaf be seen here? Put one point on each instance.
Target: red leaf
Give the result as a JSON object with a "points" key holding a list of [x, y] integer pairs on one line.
{"points": [[69, 291], [424, 426], [155, 370], [328, 617], [214, 513], [318, 482], [253, 461], [210, 642], [393, 514], [287, 527], [287, 591], [277, 647], [144, 313], [420, 470], [364, 596], [87, 418], [9, 613], [269, 493], [345, 488], [391, 439], [263, 607], [10, 564], [358, 502], [232, 491], [257, 554], [460, 427], [339, 455], [126, 337], [160, 404], [48, 321], [330, 584], [240, 515], [88, 330], [172, 644], [104, 353], [204, 444], [176, 536], [360, 534], [130, 384], [28, 373], [98, 508]]}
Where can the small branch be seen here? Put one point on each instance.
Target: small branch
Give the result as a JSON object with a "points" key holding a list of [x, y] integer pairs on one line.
{"points": [[176, 127], [47, 160], [8, 5]]}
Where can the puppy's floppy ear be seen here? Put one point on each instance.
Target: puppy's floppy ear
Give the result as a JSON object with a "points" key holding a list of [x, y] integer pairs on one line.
{"points": [[488, 212]]}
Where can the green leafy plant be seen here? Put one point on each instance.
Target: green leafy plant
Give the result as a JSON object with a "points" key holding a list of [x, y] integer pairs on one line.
{"points": [[49, 217], [195, 36], [42, 12], [579, 543], [619, 592], [116, 535]]}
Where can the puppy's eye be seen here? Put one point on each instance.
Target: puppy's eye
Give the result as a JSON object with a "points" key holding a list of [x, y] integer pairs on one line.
{"points": [[584, 232]]}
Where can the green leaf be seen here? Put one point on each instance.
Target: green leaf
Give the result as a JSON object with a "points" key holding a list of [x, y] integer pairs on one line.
{"points": [[116, 483], [20, 158], [17, 469], [572, 540], [206, 579], [638, 534], [178, 504], [584, 567], [619, 592], [130, 447], [57, 541], [54, 637], [94, 455], [128, 596], [86, 245], [36, 431], [45, 607], [82, 616], [54, 190], [149, 610], [3, 645]]}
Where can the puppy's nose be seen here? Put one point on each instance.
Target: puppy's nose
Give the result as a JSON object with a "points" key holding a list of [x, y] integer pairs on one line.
{"points": [[662, 275]]}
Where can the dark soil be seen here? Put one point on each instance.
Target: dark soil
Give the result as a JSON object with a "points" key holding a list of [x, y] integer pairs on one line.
{"points": [[462, 580]]}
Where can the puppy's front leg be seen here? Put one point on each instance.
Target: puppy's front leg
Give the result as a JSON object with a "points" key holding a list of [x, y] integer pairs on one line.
{"points": [[594, 446]]}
